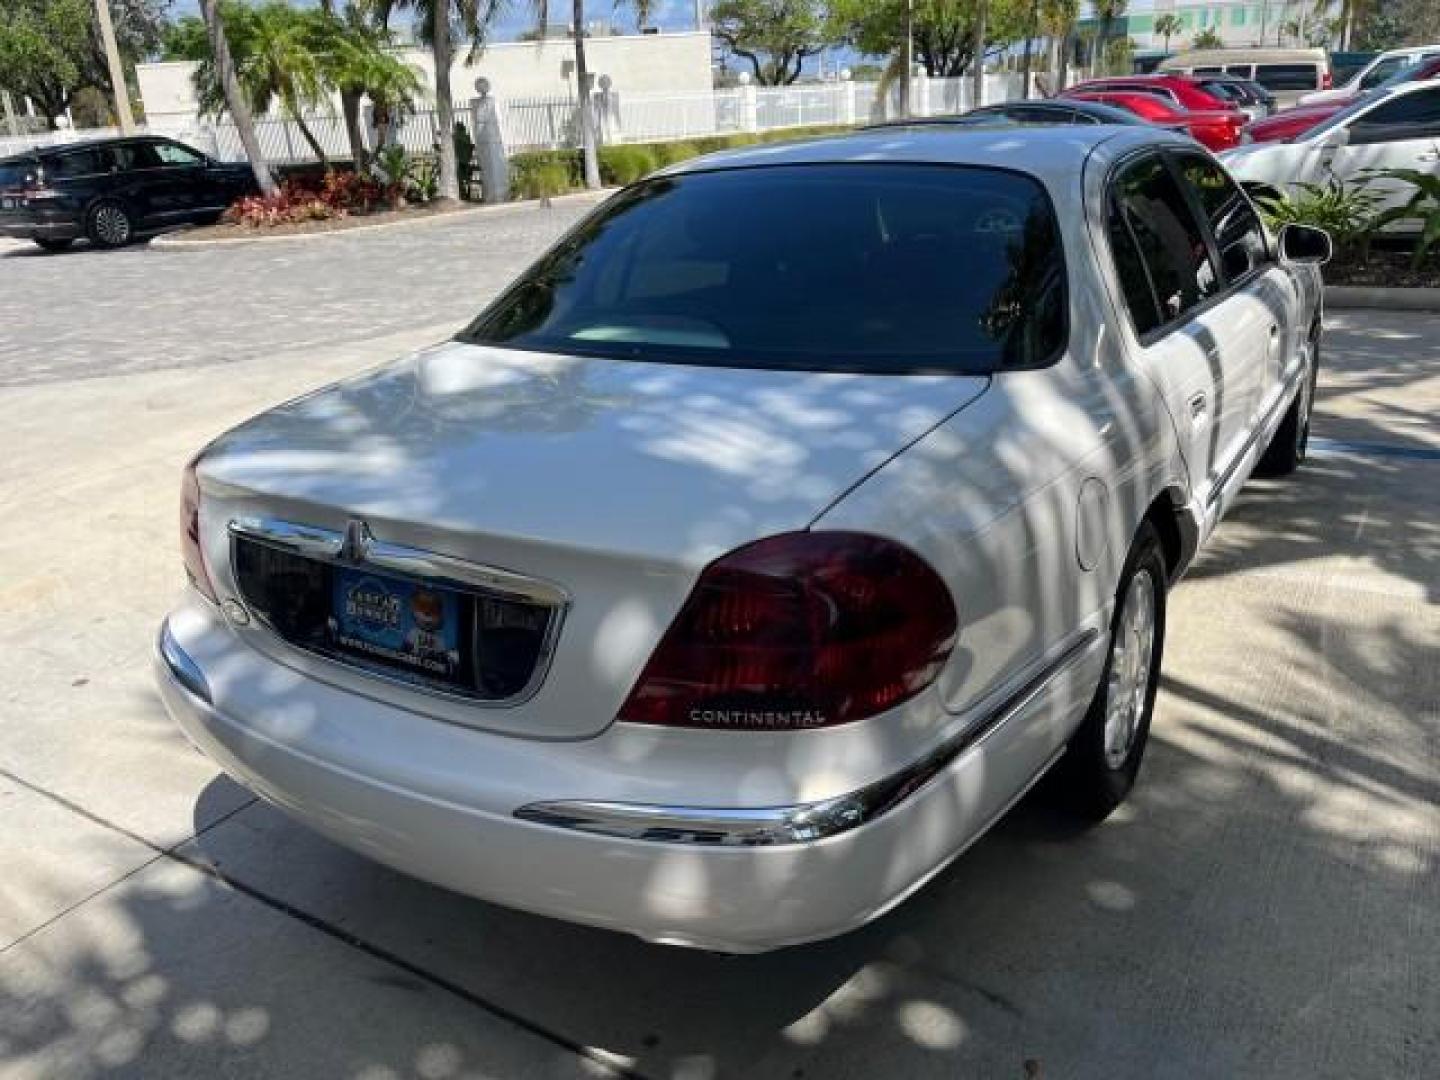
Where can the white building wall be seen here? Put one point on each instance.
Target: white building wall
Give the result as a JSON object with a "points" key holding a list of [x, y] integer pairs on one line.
{"points": [[652, 63]]}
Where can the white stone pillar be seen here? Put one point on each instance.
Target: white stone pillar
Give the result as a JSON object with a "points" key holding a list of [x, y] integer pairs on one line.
{"points": [[749, 104], [846, 89], [489, 137]]}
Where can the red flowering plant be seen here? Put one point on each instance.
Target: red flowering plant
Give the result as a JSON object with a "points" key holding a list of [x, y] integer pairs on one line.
{"points": [[337, 195]]}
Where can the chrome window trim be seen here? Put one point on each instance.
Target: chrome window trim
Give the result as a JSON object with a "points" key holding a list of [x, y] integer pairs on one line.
{"points": [[329, 546], [804, 822]]}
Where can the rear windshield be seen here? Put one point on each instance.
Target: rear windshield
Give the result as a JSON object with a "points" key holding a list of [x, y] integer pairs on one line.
{"points": [[857, 267], [15, 175], [1287, 76]]}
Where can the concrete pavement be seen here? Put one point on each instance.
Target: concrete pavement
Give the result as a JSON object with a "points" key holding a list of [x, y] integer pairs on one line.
{"points": [[1268, 903]]}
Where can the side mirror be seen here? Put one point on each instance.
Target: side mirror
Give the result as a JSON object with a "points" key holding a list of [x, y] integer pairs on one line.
{"points": [[1305, 245]]}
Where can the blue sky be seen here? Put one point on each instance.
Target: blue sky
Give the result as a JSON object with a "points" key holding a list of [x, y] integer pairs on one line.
{"points": [[669, 14]]}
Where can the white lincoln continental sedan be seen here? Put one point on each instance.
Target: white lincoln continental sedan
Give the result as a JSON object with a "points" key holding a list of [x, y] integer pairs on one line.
{"points": [[747, 558]]}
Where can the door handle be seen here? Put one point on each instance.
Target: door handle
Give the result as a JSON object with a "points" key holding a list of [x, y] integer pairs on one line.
{"points": [[1199, 408]]}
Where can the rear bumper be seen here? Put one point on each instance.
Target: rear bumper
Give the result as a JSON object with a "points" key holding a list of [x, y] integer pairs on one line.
{"points": [[35, 228], [297, 754]]}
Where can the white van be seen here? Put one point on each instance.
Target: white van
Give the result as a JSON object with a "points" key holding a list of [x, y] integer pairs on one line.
{"points": [[1289, 74]]}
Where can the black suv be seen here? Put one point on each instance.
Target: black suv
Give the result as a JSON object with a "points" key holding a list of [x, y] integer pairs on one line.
{"points": [[113, 191]]}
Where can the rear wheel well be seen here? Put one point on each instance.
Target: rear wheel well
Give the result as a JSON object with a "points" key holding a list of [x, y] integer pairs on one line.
{"points": [[1164, 514]]}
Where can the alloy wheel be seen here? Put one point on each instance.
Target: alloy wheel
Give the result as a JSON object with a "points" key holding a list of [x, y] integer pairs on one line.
{"points": [[1132, 656], [112, 225]]}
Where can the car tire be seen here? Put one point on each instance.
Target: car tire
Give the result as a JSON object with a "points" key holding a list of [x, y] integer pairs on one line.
{"points": [[109, 224], [1099, 766], [1286, 451], [47, 244]]}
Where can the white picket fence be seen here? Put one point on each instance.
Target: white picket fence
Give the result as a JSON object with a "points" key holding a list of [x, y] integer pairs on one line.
{"points": [[15, 145], [553, 122]]}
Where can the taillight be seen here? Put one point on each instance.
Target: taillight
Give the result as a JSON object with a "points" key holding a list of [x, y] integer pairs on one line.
{"points": [[1326, 81], [801, 630], [190, 549]]}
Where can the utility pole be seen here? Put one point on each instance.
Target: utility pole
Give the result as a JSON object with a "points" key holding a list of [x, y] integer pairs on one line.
{"points": [[117, 69], [909, 58]]}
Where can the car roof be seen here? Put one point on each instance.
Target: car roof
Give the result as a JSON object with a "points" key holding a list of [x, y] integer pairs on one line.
{"points": [[79, 144], [1054, 155]]}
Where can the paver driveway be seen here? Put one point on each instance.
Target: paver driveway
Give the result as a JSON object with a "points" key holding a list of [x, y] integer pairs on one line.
{"points": [[1267, 905]]}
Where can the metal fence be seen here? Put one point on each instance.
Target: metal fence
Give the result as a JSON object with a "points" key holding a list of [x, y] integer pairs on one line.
{"points": [[540, 123]]}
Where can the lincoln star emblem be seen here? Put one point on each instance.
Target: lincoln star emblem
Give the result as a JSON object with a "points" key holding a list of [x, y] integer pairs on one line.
{"points": [[357, 541]]}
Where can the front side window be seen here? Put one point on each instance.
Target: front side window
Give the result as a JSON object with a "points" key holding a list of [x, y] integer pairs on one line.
{"points": [[879, 268], [127, 157], [173, 154], [1168, 240], [1384, 69], [1233, 221]]}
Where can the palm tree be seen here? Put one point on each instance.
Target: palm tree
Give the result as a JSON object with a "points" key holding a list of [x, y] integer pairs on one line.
{"points": [[589, 140], [1106, 12], [276, 57], [1057, 20], [1167, 26], [359, 64], [235, 103]]}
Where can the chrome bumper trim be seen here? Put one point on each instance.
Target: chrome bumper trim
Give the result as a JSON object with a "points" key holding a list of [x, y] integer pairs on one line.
{"points": [[805, 822], [186, 672]]}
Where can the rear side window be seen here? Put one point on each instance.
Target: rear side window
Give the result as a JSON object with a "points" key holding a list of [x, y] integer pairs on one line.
{"points": [[1233, 221], [79, 163], [850, 267], [1410, 116], [1245, 71], [1288, 76], [1150, 216]]}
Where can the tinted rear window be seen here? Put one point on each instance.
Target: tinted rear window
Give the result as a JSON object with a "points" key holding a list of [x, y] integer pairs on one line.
{"points": [[16, 174], [1287, 76], [875, 267]]}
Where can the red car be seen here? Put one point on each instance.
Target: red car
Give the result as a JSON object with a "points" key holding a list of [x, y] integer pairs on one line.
{"points": [[1216, 129], [1291, 123], [1178, 90]]}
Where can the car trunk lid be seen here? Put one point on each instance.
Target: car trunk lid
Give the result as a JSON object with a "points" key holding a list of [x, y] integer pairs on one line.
{"points": [[612, 482]]}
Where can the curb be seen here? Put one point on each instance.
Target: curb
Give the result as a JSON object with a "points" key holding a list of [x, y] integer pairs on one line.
{"points": [[1340, 297], [177, 242]]}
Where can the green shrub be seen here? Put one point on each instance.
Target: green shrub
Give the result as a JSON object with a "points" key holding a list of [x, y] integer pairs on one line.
{"points": [[626, 164], [1347, 213], [539, 174], [1423, 208]]}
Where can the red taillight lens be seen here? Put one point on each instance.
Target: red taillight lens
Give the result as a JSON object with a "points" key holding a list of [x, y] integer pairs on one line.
{"points": [[1326, 81], [190, 549], [800, 630]]}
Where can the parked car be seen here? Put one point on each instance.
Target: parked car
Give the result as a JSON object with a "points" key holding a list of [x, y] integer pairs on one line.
{"points": [[1180, 91], [1217, 129], [753, 552], [1396, 128], [1373, 74], [113, 191], [1289, 124], [1047, 112], [1249, 97], [1286, 73]]}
